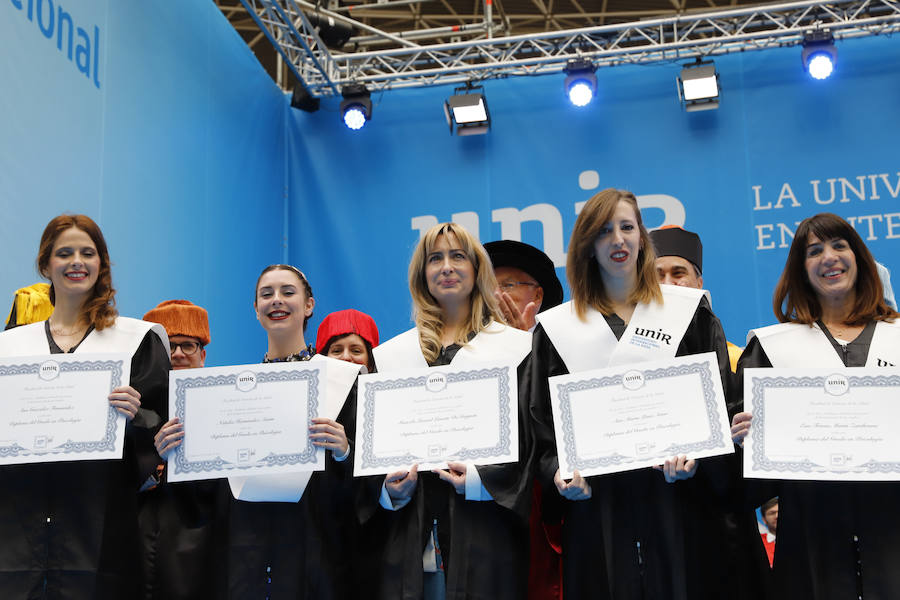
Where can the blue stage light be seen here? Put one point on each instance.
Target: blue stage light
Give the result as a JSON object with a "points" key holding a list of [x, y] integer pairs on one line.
{"points": [[581, 82], [354, 117], [820, 65], [581, 93], [819, 55], [356, 107]]}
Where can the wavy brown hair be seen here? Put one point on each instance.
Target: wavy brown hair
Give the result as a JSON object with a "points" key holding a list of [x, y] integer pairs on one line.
{"points": [[582, 270], [427, 313], [99, 309], [795, 300]]}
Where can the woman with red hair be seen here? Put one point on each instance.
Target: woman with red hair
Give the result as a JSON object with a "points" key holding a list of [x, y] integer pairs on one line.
{"points": [[70, 529]]}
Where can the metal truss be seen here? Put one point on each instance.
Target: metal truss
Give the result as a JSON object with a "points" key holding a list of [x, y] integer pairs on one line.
{"points": [[406, 63]]}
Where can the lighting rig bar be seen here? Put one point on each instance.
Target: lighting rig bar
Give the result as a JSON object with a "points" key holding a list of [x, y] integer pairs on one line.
{"points": [[668, 39]]}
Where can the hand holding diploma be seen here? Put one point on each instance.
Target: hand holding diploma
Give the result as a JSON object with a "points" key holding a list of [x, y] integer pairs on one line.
{"points": [[455, 475], [400, 485], [329, 434], [126, 400], [576, 489], [740, 427], [169, 437], [678, 468]]}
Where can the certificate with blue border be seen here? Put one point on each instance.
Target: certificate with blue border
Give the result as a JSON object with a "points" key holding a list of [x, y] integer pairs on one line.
{"points": [[246, 420], [433, 415], [56, 407], [823, 424], [636, 416]]}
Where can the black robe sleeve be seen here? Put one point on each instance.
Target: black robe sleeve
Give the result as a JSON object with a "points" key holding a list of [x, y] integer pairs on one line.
{"points": [[150, 377]]}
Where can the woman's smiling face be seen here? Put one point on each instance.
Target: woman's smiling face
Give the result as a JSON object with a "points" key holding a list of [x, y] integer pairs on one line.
{"points": [[281, 302]]}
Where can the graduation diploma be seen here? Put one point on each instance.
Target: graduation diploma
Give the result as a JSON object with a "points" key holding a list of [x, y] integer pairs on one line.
{"points": [[246, 420], [630, 417], [56, 407], [825, 424], [430, 416]]}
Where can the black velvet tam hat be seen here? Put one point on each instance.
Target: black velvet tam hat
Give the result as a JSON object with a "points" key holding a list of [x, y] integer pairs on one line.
{"points": [[509, 253], [675, 241]]}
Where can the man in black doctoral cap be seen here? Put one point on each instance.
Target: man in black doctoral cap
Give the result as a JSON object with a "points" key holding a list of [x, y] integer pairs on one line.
{"points": [[679, 261], [527, 281], [527, 284]]}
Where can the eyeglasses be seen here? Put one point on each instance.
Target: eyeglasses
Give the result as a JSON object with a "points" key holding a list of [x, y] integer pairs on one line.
{"points": [[511, 285], [187, 348]]}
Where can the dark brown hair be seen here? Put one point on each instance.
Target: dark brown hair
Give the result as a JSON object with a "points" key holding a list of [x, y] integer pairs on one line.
{"points": [[370, 363], [582, 270], [100, 309], [795, 300], [306, 287]]}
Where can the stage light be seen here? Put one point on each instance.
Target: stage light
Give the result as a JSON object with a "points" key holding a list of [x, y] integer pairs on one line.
{"points": [[581, 83], [467, 110], [819, 54], [698, 86], [356, 107]]}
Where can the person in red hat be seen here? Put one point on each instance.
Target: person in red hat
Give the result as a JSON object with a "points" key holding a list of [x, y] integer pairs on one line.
{"points": [[348, 335]]}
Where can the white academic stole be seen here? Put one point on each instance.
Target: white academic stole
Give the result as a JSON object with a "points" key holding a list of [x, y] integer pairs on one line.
{"points": [[654, 331], [799, 345], [496, 342], [125, 335]]}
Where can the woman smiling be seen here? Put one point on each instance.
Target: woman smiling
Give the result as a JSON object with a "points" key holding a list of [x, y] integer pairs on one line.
{"points": [[69, 529], [836, 539]]}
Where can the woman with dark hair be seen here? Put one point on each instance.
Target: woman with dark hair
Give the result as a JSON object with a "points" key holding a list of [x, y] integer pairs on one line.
{"points": [[837, 539], [288, 549], [348, 335], [460, 532], [70, 529], [644, 533]]}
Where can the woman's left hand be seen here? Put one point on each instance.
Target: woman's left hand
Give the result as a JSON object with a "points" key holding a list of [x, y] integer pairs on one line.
{"points": [[126, 400], [678, 468], [327, 433], [455, 476]]}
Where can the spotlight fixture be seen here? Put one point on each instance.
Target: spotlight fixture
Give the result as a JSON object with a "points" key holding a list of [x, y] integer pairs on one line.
{"points": [[302, 99], [819, 54], [698, 86], [581, 82], [468, 111], [356, 107]]}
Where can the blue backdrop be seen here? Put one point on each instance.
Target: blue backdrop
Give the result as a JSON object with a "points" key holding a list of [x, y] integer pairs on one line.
{"points": [[164, 128], [176, 154], [741, 176]]}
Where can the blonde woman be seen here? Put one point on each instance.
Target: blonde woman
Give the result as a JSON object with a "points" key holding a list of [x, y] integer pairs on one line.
{"points": [[460, 532]]}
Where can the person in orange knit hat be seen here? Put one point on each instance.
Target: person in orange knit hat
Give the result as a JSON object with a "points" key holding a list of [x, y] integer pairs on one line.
{"points": [[177, 519], [188, 327], [348, 335]]}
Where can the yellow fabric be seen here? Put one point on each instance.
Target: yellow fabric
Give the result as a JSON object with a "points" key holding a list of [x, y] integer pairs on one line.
{"points": [[734, 353], [32, 304]]}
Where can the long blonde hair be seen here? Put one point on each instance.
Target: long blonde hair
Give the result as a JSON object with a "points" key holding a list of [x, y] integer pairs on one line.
{"points": [[582, 271], [427, 313]]}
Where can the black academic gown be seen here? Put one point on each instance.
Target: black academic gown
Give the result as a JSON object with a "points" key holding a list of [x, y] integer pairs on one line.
{"points": [[292, 550], [484, 544], [179, 540], [69, 530], [827, 530], [637, 537]]}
